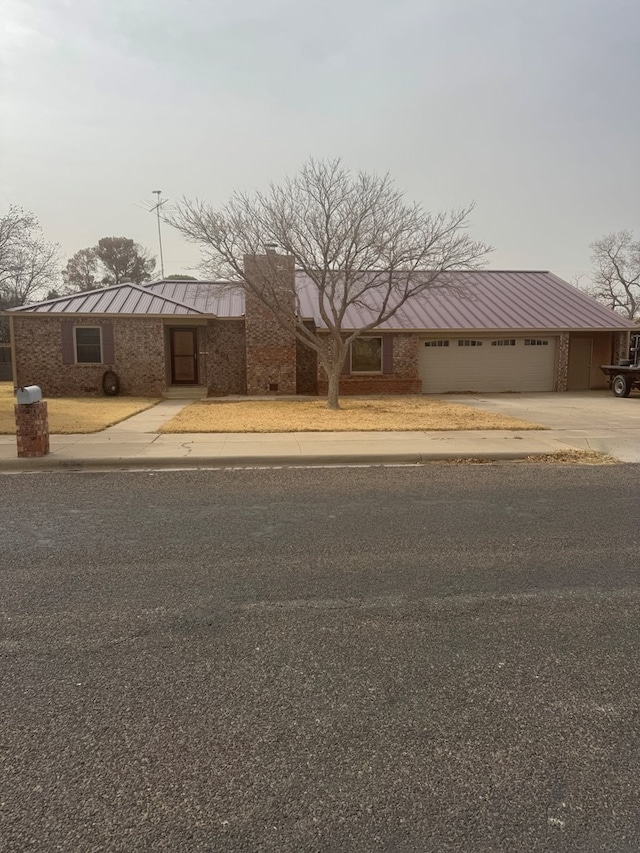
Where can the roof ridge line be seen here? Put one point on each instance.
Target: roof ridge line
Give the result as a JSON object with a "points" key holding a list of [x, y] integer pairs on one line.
{"points": [[143, 289], [148, 284]]}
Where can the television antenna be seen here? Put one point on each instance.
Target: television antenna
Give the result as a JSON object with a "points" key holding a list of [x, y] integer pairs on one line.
{"points": [[157, 207]]}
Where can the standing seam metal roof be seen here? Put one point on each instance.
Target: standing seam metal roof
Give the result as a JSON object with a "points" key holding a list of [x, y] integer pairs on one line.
{"points": [[478, 300], [127, 298], [210, 297], [491, 300]]}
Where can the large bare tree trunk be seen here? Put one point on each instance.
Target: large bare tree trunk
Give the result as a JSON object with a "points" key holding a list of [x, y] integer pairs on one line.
{"points": [[334, 384]]}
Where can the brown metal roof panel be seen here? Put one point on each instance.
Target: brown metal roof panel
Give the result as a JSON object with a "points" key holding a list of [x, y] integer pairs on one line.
{"points": [[478, 300], [538, 302], [173, 291], [81, 303], [119, 300], [145, 303], [521, 301], [493, 300], [516, 302], [208, 297], [51, 308], [102, 303], [149, 303]]}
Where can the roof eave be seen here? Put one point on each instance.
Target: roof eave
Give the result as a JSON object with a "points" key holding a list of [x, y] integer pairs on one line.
{"points": [[478, 330]]}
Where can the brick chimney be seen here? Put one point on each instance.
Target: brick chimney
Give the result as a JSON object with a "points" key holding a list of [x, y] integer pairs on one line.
{"points": [[271, 350]]}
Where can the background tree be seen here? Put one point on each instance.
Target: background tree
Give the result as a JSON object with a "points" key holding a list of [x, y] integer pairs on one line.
{"points": [[616, 273], [355, 237], [180, 277], [29, 265], [124, 260], [82, 270]]}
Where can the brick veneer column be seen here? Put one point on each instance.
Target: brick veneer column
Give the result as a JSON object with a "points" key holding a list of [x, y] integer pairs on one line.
{"points": [[562, 362], [271, 349], [621, 346], [32, 430]]}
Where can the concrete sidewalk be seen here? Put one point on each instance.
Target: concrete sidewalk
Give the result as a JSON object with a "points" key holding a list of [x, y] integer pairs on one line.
{"points": [[135, 443]]}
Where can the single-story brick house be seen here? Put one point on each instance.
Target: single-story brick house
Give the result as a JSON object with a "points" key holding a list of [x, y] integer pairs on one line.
{"points": [[493, 331]]}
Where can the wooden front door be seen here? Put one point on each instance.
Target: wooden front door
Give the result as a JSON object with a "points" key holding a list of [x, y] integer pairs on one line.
{"points": [[183, 345]]}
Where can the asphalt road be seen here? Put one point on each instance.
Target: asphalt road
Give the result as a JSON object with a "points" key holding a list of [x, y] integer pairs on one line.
{"points": [[442, 658]]}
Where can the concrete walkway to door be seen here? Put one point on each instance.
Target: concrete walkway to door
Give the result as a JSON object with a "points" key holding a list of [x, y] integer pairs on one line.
{"points": [[591, 420]]}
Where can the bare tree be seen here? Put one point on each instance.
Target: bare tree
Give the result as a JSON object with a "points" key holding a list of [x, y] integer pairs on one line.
{"points": [[29, 265], [616, 273], [353, 235]]}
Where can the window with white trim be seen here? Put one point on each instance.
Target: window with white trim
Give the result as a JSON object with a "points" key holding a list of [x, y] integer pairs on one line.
{"points": [[436, 343], [366, 355], [468, 342], [88, 344], [535, 342], [504, 342]]}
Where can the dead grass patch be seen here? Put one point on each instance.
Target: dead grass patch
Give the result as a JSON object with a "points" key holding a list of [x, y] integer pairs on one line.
{"points": [[575, 457], [69, 415], [397, 414], [561, 457]]}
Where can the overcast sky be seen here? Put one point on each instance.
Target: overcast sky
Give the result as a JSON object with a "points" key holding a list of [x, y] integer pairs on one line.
{"points": [[528, 107]]}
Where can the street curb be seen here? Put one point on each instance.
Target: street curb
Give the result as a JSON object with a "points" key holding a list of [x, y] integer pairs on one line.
{"points": [[270, 461]]}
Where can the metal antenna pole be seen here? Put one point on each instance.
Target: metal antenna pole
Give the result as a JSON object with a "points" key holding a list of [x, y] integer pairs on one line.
{"points": [[158, 205]]}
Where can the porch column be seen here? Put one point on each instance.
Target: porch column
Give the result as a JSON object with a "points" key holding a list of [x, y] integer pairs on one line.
{"points": [[562, 362], [620, 346]]}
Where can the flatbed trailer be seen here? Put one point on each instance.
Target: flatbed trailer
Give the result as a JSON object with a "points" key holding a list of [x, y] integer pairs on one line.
{"points": [[624, 377]]}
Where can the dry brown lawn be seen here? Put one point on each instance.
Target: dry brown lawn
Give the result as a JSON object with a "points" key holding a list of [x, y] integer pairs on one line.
{"points": [[69, 415], [397, 414]]}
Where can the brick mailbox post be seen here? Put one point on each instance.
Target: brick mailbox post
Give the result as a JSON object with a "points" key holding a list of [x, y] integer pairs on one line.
{"points": [[32, 423]]}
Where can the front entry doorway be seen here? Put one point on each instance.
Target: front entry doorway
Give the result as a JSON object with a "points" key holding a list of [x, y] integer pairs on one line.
{"points": [[183, 348]]}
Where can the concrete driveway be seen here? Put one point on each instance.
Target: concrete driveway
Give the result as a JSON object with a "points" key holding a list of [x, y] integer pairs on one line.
{"points": [[593, 420]]}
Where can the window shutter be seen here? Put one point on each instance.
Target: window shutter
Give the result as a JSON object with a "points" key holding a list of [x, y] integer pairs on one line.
{"points": [[346, 367], [387, 354], [68, 355], [108, 356]]}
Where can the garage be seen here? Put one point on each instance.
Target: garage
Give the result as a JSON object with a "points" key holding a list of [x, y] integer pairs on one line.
{"points": [[498, 363]]}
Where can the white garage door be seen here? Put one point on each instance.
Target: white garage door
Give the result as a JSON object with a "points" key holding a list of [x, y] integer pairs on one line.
{"points": [[487, 364]]}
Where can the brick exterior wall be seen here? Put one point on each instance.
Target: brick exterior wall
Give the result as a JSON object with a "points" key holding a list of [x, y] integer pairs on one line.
{"points": [[306, 366], [373, 385], [139, 357], [562, 362], [225, 354], [32, 430], [406, 351], [270, 349], [237, 357], [405, 378]]}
